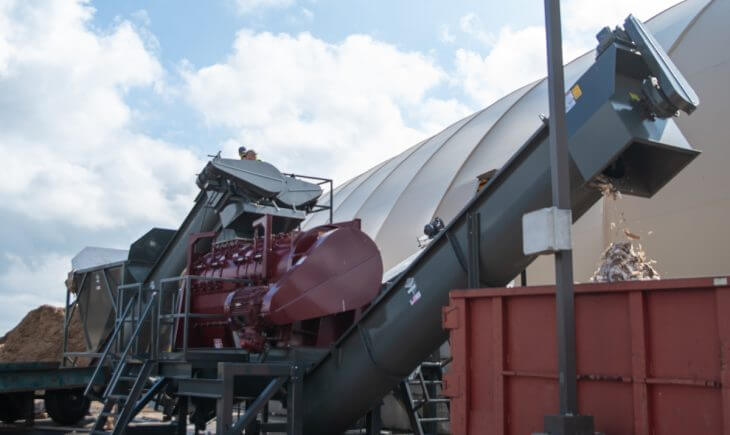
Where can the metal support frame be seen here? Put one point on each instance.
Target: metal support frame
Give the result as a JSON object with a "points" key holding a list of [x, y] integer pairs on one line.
{"points": [[182, 417], [321, 181], [183, 317], [288, 376], [568, 421], [373, 422], [67, 315], [407, 400], [473, 261]]}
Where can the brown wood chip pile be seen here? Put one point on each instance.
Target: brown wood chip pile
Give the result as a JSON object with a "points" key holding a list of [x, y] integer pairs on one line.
{"points": [[624, 261], [39, 337]]}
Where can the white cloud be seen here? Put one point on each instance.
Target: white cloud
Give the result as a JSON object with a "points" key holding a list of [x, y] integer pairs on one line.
{"points": [[249, 6], [41, 281], [307, 14], [73, 162], [580, 16], [514, 60], [473, 26], [327, 109], [66, 141], [517, 55], [445, 35]]}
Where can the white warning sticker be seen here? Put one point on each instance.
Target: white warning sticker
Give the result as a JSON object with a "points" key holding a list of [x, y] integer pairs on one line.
{"points": [[412, 290]]}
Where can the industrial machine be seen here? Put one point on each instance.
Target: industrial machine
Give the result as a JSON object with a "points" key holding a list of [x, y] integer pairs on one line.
{"points": [[302, 288], [240, 305]]}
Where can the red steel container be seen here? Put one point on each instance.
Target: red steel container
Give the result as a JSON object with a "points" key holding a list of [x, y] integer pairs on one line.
{"points": [[653, 357]]}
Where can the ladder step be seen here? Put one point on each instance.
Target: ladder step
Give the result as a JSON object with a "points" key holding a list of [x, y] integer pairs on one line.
{"points": [[433, 363], [108, 414], [432, 419], [417, 403], [118, 397]]}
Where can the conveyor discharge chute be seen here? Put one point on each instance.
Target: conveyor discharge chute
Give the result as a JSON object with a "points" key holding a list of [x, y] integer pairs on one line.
{"points": [[619, 121]]}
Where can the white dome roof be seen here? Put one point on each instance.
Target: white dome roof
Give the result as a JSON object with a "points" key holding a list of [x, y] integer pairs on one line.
{"points": [[437, 177]]}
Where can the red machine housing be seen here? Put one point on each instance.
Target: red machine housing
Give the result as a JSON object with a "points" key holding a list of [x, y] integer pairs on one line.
{"points": [[299, 288]]}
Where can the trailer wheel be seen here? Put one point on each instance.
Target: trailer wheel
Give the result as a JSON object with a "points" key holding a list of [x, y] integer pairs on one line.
{"points": [[67, 407], [11, 407]]}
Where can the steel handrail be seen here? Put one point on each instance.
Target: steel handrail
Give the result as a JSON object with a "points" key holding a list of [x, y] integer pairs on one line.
{"points": [[132, 340], [119, 326]]}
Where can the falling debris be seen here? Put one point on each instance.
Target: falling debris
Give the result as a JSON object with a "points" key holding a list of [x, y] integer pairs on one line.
{"points": [[606, 187], [631, 235], [623, 261], [39, 337]]}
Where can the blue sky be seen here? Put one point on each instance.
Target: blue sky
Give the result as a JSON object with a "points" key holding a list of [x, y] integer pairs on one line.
{"points": [[109, 108], [202, 33]]}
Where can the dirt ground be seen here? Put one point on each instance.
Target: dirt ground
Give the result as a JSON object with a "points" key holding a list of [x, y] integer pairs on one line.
{"points": [[39, 336]]}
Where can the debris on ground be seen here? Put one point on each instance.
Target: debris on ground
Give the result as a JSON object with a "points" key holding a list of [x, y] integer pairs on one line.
{"points": [[39, 337]]}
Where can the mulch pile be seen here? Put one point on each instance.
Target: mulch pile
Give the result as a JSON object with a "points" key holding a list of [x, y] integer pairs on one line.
{"points": [[39, 337]]}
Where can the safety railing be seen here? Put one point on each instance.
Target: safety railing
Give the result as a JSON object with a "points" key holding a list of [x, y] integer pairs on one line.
{"points": [[176, 313], [319, 181], [132, 342], [105, 355]]}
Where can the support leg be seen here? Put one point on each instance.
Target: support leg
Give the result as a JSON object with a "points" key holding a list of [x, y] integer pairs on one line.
{"points": [[182, 416], [373, 422], [224, 406], [294, 414]]}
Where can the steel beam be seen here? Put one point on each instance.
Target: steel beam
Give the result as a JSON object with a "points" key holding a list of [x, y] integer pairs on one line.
{"points": [[252, 411], [560, 183]]}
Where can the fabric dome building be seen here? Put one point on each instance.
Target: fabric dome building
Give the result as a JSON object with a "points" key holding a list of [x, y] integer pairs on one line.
{"points": [[683, 227]]}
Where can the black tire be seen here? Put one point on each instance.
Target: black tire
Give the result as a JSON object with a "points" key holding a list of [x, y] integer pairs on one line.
{"points": [[11, 407], [66, 407]]}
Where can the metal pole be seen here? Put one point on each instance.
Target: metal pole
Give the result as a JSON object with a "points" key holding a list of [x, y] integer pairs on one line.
{"points": [[561, 199], [332, 194], [560, 177], [65, 325]]}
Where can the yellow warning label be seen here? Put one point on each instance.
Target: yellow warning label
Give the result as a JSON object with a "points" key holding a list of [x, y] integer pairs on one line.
{"points": [[576, 91]]}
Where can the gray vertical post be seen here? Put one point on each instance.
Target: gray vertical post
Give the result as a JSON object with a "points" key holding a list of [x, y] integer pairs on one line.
{"points": [[65, 325], [473, 262], [294, 411], [373, 422], [182, 416], [186, 326], [224, 404], [568, 422]]}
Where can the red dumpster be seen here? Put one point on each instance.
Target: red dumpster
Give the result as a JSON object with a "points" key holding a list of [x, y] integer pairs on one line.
{"points": [[653, 357]]}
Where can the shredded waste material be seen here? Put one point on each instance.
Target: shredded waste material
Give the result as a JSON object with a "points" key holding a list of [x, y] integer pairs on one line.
{"points": [[622, 260], [39, 337]]}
